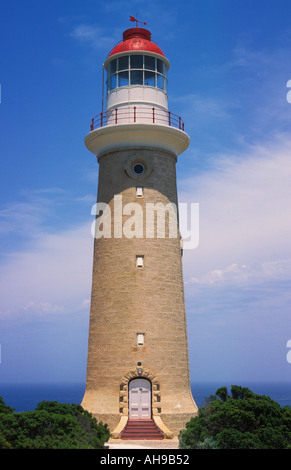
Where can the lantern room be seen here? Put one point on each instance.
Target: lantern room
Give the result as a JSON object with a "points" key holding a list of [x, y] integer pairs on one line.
{"points": [[137, 111], [136, 71]]}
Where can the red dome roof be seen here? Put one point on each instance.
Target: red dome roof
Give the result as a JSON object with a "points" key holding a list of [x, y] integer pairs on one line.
{"points": [[136, 39]]}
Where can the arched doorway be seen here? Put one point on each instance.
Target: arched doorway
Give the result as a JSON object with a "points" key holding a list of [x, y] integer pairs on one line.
{"points": [[139, 399]]}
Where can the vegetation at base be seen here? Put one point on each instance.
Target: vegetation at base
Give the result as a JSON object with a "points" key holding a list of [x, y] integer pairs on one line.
{"points": [[51, 425], [242, 420]]}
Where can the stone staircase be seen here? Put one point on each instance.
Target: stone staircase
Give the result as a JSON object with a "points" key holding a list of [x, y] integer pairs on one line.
{"points": [[141, 429]]}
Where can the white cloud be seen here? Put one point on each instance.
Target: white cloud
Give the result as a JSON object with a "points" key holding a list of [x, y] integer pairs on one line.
{"points": [[243, 274], [26, 217], [45, 269], [245, 222], [96, 36], [204, 106], [42, 308], [18, 216], [52, 277]]}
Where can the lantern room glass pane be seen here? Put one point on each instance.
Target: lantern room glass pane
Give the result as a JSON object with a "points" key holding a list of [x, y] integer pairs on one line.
{"points": [[136, 62], [149, 78], [165, 85], [123, 78], [160, 82], [123, 62], [160, 66], [112, 67], [149, 63], [112, 82], [136, 77]]}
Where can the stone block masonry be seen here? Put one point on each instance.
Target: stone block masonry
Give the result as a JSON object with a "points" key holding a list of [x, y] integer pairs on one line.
{"points": [[127, 300]]}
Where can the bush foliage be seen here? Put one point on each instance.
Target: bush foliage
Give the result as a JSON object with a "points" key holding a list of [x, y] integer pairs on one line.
{"points": [[242, 420], [52, 425]]}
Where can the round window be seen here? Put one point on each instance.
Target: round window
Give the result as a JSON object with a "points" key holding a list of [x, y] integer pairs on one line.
{"points": [[138, 168]]}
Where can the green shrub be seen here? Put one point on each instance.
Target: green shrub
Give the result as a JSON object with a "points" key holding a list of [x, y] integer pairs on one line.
{"points": [[242, 420], [51, 425]]}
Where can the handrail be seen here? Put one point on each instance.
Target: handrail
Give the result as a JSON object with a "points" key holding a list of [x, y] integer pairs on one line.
{"points": [[134, 114]]}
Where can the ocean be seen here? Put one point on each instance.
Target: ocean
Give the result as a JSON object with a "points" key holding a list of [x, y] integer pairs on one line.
{"points": [[25, 397]]}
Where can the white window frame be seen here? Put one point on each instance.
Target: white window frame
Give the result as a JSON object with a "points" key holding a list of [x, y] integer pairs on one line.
{"points": [[140, 339], [139, 191], [139, 261]]}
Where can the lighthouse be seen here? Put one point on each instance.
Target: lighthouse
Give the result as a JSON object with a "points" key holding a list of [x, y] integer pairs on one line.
{"points": [[138, 364]]}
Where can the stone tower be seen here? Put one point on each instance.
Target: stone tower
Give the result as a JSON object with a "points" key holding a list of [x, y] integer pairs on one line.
{"points": [[138, 366]]}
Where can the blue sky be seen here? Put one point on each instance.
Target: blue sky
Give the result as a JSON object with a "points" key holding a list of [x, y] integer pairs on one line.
{"points": [[230, 64]]}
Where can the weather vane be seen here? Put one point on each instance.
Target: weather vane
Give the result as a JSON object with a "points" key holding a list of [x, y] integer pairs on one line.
{"points": [[131, 18]]}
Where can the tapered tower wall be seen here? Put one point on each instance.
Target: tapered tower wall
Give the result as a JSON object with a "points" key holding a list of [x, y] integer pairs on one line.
{"points": [[128, 300]]}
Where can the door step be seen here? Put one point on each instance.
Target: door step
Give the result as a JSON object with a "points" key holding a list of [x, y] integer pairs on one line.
{"points": [[141, 429]]}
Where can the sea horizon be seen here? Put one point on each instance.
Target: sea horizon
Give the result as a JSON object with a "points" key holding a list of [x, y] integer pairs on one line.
{"points": [[26, 396]]}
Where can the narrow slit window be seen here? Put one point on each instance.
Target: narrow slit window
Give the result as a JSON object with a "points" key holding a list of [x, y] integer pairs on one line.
{"points": [[140, 339], [139, 261], [139, 191]]}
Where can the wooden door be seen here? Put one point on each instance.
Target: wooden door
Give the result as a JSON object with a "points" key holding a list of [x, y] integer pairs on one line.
{"points": [[139, 399]]}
